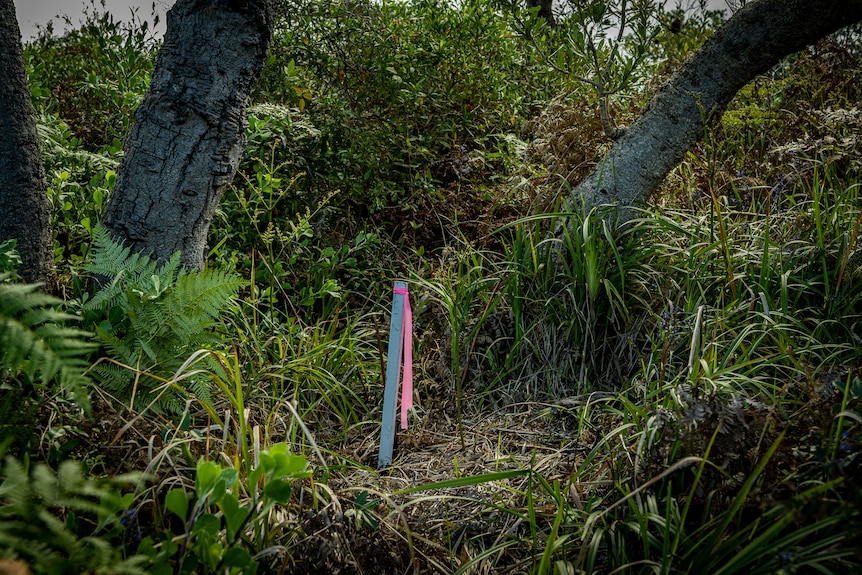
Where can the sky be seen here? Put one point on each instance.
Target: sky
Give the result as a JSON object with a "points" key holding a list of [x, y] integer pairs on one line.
{"points": [[33, 12]]}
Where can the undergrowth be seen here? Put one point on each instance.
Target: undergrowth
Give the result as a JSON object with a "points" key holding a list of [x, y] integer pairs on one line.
{"points": [[681, 395]]}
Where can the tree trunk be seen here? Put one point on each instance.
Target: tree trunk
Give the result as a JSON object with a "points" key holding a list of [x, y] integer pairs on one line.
{"points": [[189, 132], [751, 42], [26, 212]]}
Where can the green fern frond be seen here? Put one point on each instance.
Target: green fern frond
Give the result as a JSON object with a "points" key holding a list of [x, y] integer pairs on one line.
{"points": [[115, 262], [35, 343], [206, 293], [166, 314], [201, 388], [119, 348], [197, 301], [110, 257], [33, 507], [113, 378], [167, 273], [19, 297]]}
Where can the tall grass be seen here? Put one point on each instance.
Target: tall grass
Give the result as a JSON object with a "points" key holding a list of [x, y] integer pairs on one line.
{"points": [[738, 328]]}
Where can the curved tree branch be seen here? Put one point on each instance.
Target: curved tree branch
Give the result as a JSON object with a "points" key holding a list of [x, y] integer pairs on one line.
{"points": [[756, 38]]}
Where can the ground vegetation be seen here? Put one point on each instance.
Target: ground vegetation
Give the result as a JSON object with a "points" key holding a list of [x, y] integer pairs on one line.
{"points": [[680, 395]]}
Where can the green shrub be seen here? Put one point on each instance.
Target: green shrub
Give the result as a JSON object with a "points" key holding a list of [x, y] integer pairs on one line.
{"points": [[93, 76], [228, 518], [394, 87], [9, 258]]}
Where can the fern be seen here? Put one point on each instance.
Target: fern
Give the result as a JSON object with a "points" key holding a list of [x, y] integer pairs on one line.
{"points": [[151, 318], [115, 261], [33, 507], [36, 345]]}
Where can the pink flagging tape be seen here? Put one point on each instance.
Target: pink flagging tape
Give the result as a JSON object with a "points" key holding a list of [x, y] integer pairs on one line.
{"points": [[407, 352]]}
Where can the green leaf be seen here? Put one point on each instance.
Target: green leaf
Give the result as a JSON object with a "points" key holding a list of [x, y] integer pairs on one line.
{"points": [[208, 523], [234, 514], [218, 491], [177, 503], [169, 547], [267, 462], [288, 465], [160, 569], [361, 498], [254, 477], [278, 490], [207, 473], [237, 557], [214, 553], [146, 547], [230, 476]]}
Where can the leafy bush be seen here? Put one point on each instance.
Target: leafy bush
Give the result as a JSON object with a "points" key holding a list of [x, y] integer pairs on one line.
{"points": [[93, 76], [79, 183], [41, 357], [393, 87], [9, 258], [296, 266], [86, 84], [228, 517]]}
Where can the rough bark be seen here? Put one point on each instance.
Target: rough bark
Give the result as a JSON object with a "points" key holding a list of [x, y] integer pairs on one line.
{"points": [[24, 208], [189, 132], [751, 42]]}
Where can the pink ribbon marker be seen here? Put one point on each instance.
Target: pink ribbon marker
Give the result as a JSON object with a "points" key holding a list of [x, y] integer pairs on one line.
{"points": [[407, 353]]}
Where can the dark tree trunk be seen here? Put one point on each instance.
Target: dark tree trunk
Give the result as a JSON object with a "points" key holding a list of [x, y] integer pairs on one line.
{"points": [[751, 42], [189, 131], [24, 208], [545, 10]]}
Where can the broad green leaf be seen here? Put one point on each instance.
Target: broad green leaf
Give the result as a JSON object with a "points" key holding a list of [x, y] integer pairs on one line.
{"points": [[229, 476], [177, 503], [267, 462], [208, 523], [160, 569], [207, 473], [234, 514], [237, 557], [214, 553], [170, 546], [218, 491], [190, 565], [278, 490], [288, 465]]}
